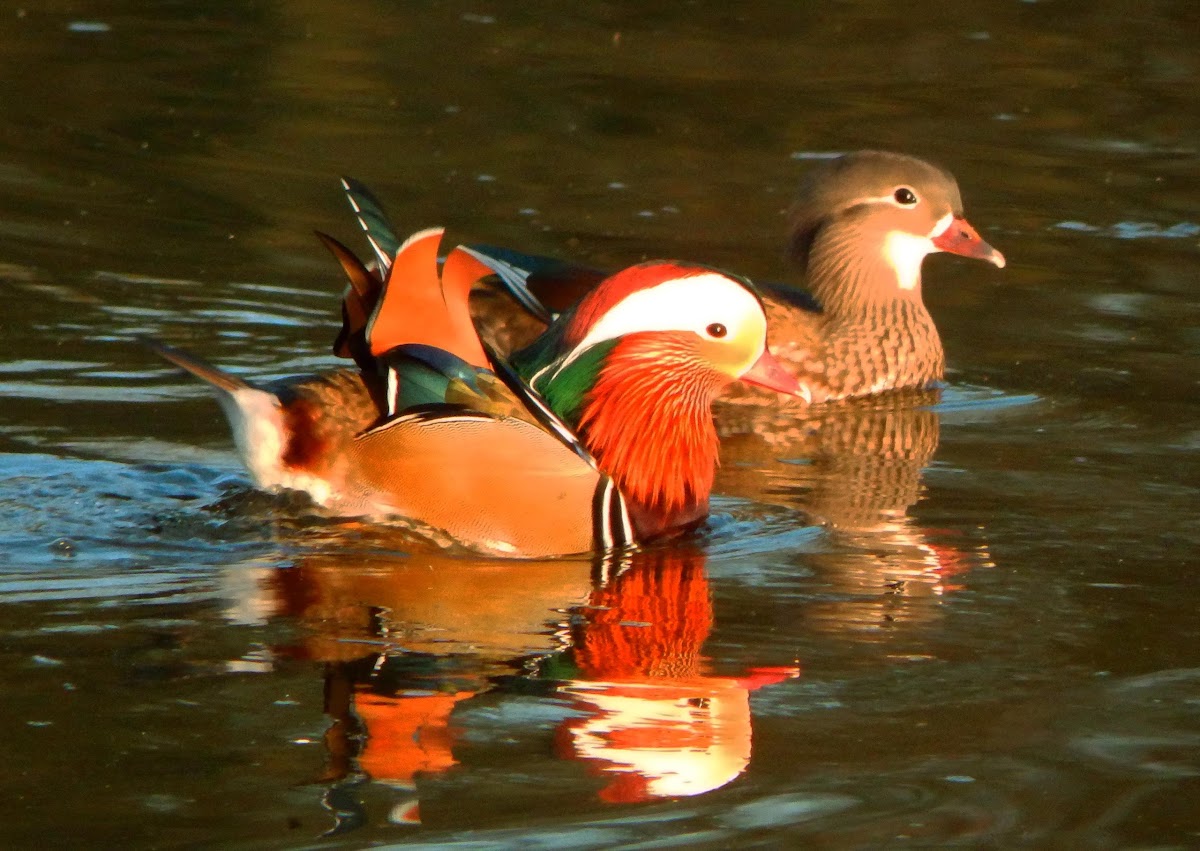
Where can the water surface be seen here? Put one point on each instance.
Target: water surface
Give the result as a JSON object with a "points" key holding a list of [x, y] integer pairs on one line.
{"points": [[962, 618]]}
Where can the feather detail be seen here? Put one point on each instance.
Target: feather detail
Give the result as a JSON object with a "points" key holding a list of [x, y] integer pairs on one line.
{"points": [[513, 278], [460, 271], [847, 270], [616, 288], [543, 286], [872, 334], [418, 306], [648, 421], [540, 410], [412, 295], [358, 303], [374, 222]]}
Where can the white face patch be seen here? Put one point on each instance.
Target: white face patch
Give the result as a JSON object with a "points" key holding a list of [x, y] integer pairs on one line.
{"points": [[905, 252], [688, 304]]}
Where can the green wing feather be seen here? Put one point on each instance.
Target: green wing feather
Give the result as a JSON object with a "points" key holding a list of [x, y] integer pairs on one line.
{"points": [[374, 222], [430, 376]]}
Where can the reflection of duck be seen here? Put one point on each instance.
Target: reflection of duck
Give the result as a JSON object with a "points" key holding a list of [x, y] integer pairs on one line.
{"points": [[406, 640], [388, 730], [861, 460], [654, 723], [356, 604], [857, 468]]}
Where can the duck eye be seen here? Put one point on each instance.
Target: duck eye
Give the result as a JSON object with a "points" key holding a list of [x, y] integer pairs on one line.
{"points": [[717, 330], [905, 196]]}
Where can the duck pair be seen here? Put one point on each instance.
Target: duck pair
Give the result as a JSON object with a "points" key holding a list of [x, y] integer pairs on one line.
{"points": [[598, 434]]}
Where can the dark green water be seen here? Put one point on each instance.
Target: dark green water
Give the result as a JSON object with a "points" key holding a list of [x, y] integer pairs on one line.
{"points": [[923, 622]]}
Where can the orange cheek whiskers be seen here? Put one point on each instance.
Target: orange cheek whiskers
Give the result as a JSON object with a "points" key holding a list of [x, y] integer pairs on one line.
{"points": [[665, 451]]}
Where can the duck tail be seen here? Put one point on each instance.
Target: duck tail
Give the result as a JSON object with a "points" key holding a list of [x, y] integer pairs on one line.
{"points": [[255, 415], [218, 378]]}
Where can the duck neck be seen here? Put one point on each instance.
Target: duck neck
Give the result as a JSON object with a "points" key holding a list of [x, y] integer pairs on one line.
{"points": [[853, 270], [648, 420], [877, 333]]}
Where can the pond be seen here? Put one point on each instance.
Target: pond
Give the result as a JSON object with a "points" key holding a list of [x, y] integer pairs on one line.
{"points": [[962, 617]]}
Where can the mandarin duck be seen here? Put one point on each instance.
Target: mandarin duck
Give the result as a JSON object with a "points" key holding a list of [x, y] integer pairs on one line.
{"points": [[445, 435], [860, 229]]}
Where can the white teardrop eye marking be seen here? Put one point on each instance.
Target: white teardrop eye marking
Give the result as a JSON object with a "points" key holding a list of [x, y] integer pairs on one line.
{"points": [[905, 197], [709, 305]]}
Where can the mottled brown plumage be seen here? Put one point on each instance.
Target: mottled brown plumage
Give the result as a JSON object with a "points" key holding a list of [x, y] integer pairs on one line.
{"points": [[861, 226]]}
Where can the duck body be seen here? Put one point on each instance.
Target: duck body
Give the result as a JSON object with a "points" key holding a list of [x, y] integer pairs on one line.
{"points": [[839, 354], [455, 474], [439, 432]]}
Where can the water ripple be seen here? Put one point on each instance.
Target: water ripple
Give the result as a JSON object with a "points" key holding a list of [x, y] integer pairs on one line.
{"points": [[1135, 230], [960, 400]]}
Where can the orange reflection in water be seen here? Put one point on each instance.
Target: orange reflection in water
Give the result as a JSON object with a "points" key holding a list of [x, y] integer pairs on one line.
{"points": [[652, 720], [648, 715]]}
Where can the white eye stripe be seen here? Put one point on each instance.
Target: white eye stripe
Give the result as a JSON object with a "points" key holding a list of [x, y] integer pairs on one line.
{"points": [[681, 304], [890, 198]]}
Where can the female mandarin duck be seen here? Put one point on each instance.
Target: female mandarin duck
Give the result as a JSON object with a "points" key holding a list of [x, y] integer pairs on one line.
{"points": [[861, 227], [437, 431]]}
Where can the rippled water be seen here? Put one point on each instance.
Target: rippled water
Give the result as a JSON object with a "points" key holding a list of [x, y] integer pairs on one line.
{"points": [[922, 620]]}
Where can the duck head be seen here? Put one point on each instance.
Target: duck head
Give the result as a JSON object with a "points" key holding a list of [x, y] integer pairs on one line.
{"points": [[862, 225], [635, 366]]}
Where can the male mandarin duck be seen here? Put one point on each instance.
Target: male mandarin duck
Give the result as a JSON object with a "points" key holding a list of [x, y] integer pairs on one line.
{"points": [[439, 432], [861, 227]]}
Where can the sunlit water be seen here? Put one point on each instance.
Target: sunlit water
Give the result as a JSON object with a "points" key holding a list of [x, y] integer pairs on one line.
{"points": [[967, 617]]}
